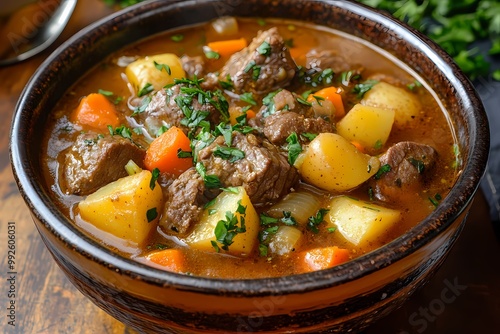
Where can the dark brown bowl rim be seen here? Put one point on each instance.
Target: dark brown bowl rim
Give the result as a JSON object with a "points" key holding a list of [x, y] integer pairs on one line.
{"points": [[457, 201]]}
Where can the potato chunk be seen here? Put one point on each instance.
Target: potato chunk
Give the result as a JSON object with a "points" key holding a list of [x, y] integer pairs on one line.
{"points": [[368, 126], [127, 208], [227, 202], [158, 70], [332, 163], [406, 105], [360, 222]]}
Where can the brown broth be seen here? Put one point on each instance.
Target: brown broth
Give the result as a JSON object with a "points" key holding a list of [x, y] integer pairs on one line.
{"points": [[431, 128]]}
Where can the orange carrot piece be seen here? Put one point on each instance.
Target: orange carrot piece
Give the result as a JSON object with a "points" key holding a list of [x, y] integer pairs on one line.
{"points": [[323, 258], [172, 259], [228, 47], [162, 152], [331, 94], [96, 111]]}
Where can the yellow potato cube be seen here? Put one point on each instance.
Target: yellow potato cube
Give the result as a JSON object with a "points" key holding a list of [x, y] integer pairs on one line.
{"points": [[360, 222], [228, 201], [158, 70], [405, 104], [332, 163], [368, 126], [127, 208]]}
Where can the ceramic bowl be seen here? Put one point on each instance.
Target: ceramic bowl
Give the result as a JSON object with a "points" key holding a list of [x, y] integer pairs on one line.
{"points": [[346, 298]]}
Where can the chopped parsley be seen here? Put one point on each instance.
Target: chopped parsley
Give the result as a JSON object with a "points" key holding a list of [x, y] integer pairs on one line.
{"points": [[229, 153], [383, 170], [211, 181], [361, 88], [148, 88], [314, 221], [249, 66], [227, 229], [418, 164], [248, 98], [123, 131], [143, 106], [151, 214], [161, 67], [294, 148], [212, 54], [155, 174], [264, 49], [184, 154]]}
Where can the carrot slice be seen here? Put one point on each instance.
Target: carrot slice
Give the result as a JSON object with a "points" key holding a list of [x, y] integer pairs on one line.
{"points": [[172, 259], [96, 111], [323, 258], [331, 94], [162, 152], [228, 47]]}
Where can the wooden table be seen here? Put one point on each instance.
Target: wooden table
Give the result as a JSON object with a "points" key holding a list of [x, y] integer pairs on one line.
{"points": [[47, 303]]}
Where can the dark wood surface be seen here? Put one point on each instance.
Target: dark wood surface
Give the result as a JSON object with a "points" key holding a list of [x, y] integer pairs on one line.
{"points": [[463, 297]]}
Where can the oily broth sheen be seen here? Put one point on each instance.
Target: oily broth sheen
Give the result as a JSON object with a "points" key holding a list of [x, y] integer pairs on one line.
{"points": [[108, 76]]}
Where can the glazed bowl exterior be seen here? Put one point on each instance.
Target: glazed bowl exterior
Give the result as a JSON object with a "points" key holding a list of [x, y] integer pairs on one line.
{"points": [[346, 298]]}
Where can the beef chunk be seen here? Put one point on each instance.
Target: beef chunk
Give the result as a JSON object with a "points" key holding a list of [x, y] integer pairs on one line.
{"points": [[94, 161], [410, 166], [263, 66], [193, 66], [279, 126], [185, 199], [164, 109], [327, 59], [264, 172]]}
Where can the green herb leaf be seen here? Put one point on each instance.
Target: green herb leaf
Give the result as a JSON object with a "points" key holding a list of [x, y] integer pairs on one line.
{"points": [[383, 170], [151, 214], [212, 55], [294, 148], [314, 221], [161, 67], [264, 49], [364, 87], [229, 153], [148, 88], [155, 174]]}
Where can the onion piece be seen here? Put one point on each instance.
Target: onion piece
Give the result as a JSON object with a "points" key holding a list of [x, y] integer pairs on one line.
{"points": [[302, 205], [286, 240]]}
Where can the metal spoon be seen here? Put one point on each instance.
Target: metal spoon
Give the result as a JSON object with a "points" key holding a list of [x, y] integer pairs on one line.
{"points": [[31, 27]]}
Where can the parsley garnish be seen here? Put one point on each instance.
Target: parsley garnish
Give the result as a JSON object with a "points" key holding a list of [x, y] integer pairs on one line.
{"points": [[294, 148], [161, 67], [155, 174], [184, 154], [120, 131], [383, 170], [264, 49], [227, 229], [249, 66], [151, 214], [314, 221], [212, 54], [248, 98], [229, 153], [143, 106], [211, 181], [418, 164], [364, 87], [148, 88]]}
